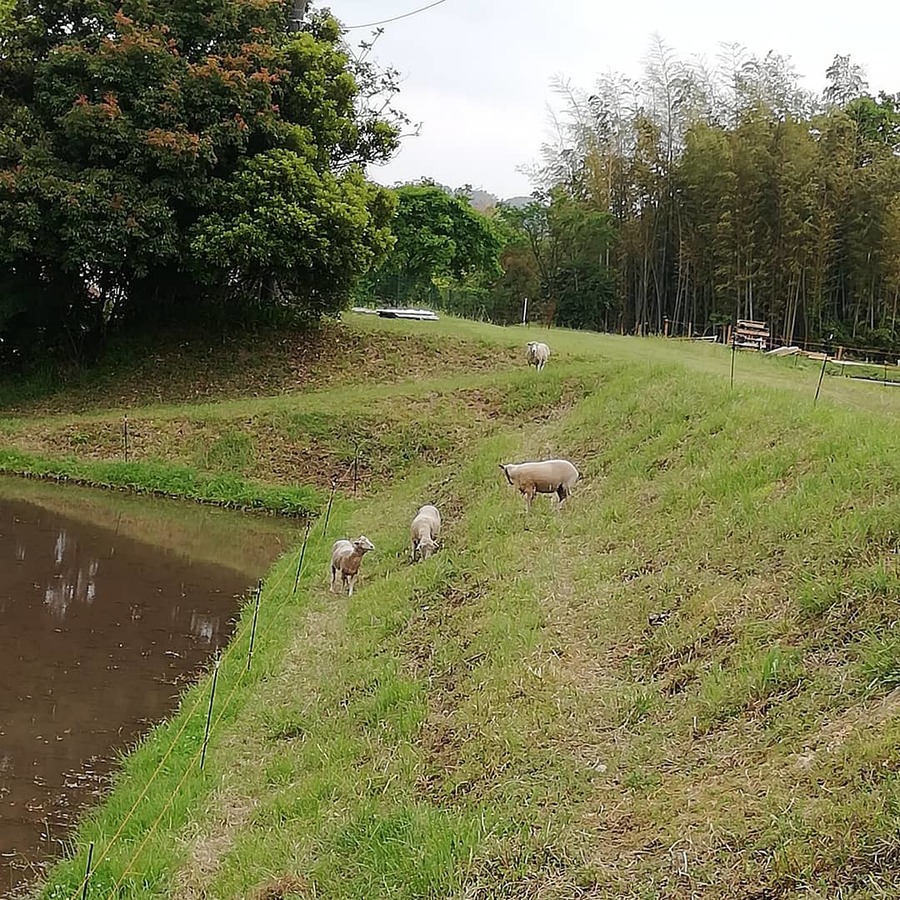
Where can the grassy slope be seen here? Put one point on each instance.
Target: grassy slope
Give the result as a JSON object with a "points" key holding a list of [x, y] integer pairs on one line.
{"points": [[502, 721]]}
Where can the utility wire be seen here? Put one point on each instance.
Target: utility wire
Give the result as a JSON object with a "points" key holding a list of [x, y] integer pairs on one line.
{"points": [[414, 12]]}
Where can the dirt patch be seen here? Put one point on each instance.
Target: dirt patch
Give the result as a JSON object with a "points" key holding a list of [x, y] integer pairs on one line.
{"points": [[208, 849], [443, 736], [514, 870], [282, 889], [834, 734]]}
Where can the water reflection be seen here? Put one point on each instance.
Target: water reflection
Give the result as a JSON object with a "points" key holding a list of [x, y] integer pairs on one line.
{"points": [[97, 631]]}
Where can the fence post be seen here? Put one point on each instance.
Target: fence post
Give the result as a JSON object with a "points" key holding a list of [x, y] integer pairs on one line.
{"points": [[259, 585], [212, 697], [666, 327], [733, 351], [87, 871], [328, 510], [303, 550], [821, 376], [125, 436]]}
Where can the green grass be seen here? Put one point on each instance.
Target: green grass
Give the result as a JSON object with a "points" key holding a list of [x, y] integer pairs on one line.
{"points": [[504, 720], [167, 480]]}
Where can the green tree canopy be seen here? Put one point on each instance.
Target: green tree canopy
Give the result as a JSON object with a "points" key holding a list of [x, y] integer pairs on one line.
{"points": [[569, 242], [438, 237], [156, 153]]}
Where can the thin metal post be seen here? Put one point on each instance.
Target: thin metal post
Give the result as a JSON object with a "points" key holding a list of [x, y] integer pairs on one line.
{"points": [[253, 627], [733, 351], [303, 553], [125, 436], [87, 871], [821, 376], [328, 510], [212, 697], [525, 312]]}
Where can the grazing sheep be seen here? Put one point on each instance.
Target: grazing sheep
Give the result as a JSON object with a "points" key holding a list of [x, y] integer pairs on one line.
{"points": [[345, 559], [424, 532], [538, 354], [552, 476]]}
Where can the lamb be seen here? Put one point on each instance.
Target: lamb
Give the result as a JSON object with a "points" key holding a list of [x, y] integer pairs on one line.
{"points": [[538, 354], [551, 476], [346, 557], [424, 532]]}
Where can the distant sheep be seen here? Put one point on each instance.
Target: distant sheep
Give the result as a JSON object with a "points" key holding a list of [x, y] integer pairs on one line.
{"points": [[551, 476], [424, 532], [346, 557], [538, 354]]}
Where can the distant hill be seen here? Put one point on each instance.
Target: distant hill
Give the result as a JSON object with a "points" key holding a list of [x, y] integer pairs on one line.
{"points": [[479, 198], [482, 200], [519, 202]]}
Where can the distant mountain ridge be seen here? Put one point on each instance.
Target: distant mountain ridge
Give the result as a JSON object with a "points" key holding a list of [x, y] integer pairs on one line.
{"points": [[479, 198], [483, 200]]}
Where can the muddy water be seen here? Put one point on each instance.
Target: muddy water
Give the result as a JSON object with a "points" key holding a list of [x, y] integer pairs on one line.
{"points": [[108, 605]]}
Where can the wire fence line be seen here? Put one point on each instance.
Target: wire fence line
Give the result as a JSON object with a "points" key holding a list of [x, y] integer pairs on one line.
{"points": [[187, 719], [837, 347], [90, 871]]}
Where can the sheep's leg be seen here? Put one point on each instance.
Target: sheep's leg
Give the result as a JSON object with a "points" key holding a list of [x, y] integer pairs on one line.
{"points": [[562, 492], [529, 496], [333, 576], [350, 581], [414, 548]]}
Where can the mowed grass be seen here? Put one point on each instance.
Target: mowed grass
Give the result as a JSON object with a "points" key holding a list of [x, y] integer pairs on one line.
{"points": [[684, 683]]}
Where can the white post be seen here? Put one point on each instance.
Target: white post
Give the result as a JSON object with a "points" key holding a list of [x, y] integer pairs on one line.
{"points": [[525, 311]]}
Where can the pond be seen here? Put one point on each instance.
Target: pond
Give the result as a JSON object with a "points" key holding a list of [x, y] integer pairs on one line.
{"points": [[109, 605]]}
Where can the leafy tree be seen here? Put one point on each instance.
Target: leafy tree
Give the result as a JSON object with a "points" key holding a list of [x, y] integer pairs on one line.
{"points": [[846, 82], [169, 151], [440, 239], [568, 242]]}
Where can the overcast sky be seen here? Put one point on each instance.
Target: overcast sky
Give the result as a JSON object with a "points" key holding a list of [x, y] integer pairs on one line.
{"points": [[477, 73]]}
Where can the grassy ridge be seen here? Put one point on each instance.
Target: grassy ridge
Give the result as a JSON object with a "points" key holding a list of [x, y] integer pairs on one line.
{"points": [[686, 683], [166, 480]]}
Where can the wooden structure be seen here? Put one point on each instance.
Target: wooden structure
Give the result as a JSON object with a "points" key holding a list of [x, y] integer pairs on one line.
{"points": [[750, 335]]}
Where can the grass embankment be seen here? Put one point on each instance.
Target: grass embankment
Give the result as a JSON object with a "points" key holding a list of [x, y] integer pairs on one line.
{"points": [[503, 720]]}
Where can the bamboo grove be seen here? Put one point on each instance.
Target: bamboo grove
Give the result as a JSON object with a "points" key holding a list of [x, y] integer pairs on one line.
{"points": [[730, 191]]}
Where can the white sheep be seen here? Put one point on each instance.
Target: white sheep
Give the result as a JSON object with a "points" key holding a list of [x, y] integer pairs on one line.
{"points": [[538, 354], [551, 476], [424, 532], [346, 557]]}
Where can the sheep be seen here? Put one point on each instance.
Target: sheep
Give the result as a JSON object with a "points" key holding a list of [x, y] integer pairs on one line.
{"points": [[346, 557], [424, 532], [538, 354], [551, 476]]}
